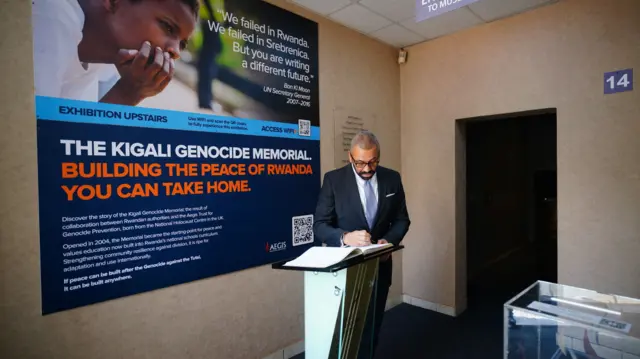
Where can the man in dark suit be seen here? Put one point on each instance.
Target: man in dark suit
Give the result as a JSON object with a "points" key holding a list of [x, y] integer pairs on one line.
{"points": [[360, 204]]}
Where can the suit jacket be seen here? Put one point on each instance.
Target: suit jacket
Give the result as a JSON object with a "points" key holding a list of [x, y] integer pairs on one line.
{"points": [[339, 210]]}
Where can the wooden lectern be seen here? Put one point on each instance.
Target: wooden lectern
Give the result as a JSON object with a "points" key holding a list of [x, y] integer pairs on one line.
{"points": [[336, 300]]}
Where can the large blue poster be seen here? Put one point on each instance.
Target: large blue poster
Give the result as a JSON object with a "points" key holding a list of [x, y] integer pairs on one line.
{"points": [[175, 142]]}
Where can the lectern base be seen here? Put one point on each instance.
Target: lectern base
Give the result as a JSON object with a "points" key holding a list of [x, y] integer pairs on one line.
{"points": [[336, 309], [336, 301]]}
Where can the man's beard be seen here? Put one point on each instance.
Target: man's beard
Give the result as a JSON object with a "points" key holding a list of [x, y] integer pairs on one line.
{"points": [[360, 174]]}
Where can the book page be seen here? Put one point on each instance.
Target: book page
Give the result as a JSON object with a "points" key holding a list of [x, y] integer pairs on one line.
{"points": [[321, 257], [374, 248]]}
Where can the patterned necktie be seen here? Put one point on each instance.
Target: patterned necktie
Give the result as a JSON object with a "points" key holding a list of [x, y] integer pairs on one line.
{"points": [[370, 203]]}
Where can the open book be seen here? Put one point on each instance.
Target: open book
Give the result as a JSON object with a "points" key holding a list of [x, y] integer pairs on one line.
{"points": [[323, 257]]}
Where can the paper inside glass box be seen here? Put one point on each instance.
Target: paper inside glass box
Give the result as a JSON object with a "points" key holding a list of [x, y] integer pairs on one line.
{"points": [[557, 321]]}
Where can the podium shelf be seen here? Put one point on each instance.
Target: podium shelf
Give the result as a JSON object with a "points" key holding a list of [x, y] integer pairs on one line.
{"points": [[338, 266]]}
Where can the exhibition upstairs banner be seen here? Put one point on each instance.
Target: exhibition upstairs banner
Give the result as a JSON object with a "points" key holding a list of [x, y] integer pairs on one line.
{"points": [[426, 9], [175, 142]]}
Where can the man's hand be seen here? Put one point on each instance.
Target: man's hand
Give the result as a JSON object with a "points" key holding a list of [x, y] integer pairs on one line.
{"points": [[357, 239], [385, 257], [143, 74]]}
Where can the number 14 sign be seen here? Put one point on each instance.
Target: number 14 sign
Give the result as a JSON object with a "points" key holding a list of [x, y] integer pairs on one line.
{"points": [[618, 81]]}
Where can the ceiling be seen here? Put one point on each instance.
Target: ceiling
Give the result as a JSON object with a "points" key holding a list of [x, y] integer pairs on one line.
{"points": [[393, 21]]}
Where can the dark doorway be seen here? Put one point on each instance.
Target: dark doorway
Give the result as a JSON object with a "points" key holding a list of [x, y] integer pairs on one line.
{"points": [[510, 205]]}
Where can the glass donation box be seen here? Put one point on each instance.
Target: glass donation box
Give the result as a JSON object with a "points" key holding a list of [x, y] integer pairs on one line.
{"points": [[554, 321]]}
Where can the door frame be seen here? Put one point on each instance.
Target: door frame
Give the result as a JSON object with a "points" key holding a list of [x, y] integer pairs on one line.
{"points": [[461, 281]]}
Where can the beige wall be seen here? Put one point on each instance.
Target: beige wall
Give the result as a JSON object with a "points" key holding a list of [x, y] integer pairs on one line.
{"points": [[244, 315], [551, 57]]}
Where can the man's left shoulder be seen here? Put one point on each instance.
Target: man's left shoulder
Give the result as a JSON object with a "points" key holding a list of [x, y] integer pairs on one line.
{"points": [[388, 172]]}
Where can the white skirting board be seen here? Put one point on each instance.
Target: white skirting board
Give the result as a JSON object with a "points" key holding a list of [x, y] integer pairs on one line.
{"points": [[428, 305], [288, 352], [298, 347]]}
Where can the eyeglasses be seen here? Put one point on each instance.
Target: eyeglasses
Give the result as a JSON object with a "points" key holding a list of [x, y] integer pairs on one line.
{"points": [[361, 164]]}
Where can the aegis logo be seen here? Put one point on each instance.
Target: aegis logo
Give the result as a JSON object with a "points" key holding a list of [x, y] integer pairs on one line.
{"points": [[275, 247], [271, 129]]}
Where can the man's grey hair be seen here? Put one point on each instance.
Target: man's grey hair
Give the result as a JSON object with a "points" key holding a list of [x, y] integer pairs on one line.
{"points": [[366, 140]]}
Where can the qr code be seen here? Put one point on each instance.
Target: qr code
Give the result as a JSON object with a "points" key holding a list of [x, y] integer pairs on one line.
{"points": [[304, 127], [302, 230]]}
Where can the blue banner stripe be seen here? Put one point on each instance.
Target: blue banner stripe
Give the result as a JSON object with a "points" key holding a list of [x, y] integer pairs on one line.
{"points": [[57, 109]]}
